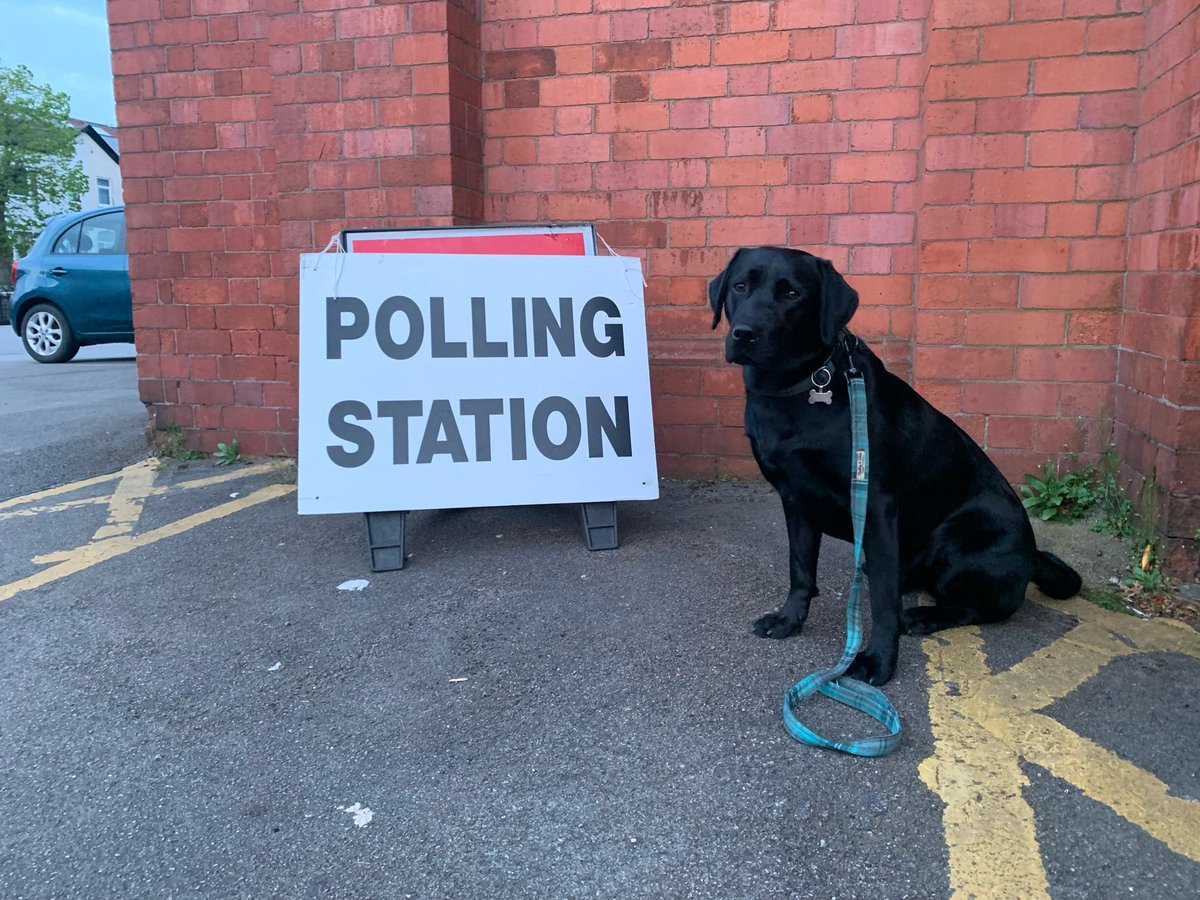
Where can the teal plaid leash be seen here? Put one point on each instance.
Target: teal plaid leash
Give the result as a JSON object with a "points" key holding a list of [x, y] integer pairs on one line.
{"points": [[831, 681]]}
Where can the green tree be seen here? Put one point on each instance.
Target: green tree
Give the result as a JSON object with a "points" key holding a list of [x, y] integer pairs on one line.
{"points": [[39, 175]]}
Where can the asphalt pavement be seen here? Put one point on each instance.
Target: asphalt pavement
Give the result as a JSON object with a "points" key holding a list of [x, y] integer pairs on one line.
{"points": [[195, 704], [61, 422]]}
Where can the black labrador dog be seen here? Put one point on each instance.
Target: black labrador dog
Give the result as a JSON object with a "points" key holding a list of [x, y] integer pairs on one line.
{"points": [[940, 516]]}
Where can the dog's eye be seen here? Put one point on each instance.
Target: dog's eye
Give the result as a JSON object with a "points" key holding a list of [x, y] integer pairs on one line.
{"points": [[792, 294], [740, 287]]}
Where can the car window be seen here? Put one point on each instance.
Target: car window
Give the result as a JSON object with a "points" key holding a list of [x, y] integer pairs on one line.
{"points": [[68, 241], [102, 235], [120, 232]]}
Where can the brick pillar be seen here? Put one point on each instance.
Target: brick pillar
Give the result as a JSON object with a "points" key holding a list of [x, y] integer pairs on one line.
{"points": [[1158, 384], [377, 115], [465, 65], [377, 120], [197, 161], [1029, 115], [251, 131]]}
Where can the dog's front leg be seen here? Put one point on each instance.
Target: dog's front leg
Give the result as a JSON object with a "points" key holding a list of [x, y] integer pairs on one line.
{"points": [[876, 663], [804, 544]]}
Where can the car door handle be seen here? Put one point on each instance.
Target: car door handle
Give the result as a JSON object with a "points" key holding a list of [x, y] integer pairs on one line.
{"points": [[58, 270]]}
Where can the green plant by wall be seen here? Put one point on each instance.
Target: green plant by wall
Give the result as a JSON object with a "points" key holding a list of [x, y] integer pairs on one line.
{"points": [[1116, 509], [170, 443], [227, 454], [1107, 598], [1053, 496], [1151, 581]]}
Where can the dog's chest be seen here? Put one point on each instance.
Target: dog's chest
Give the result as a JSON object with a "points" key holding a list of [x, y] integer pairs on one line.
{"points": [[802, 450]]}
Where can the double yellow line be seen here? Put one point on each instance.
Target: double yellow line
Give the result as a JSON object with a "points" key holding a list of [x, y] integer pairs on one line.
{"points": [[984, 725], [115, 538]]}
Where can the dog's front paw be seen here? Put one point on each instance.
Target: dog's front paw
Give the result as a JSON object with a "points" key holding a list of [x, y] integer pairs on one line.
{"points": [[873, 668], [777, 625]]}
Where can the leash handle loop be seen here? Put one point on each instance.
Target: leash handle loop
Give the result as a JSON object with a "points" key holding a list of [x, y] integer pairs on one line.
{"points": [[831, 681]]}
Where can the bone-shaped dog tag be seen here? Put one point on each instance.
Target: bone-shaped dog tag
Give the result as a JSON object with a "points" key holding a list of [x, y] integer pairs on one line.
{"points": [[820, 380], [825, 397]]}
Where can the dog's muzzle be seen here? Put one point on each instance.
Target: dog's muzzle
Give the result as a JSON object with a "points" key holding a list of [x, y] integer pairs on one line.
{"points": [[740, 344]]}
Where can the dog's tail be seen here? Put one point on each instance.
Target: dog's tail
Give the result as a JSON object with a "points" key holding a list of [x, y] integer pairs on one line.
{"points": [[1055, 578]]}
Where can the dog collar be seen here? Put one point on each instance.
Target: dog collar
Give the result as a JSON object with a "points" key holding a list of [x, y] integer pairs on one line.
{"points": [[817, 384]]}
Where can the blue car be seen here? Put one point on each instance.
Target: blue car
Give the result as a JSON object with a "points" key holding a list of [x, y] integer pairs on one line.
{"points": [[72, 287]]}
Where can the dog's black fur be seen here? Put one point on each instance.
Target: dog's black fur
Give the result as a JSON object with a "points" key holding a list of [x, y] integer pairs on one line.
{"points": [[940, 516]]}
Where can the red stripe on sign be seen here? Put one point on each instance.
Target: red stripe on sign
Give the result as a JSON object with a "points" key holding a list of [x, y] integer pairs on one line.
{"points": [[564, 244]]}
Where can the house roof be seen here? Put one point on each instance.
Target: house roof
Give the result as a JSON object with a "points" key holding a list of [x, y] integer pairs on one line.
{"points": [[105, 136]]}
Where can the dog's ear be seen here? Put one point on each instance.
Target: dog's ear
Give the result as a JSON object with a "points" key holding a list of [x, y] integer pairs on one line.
{"points": [[838, 302], [717, 289]]}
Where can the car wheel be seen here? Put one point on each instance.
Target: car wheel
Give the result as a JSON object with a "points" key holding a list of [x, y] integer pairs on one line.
{"points": [[47, 335]]}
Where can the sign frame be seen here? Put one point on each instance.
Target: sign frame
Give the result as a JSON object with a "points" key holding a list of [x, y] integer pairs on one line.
{"points": [[386, 530], [510, 240]]}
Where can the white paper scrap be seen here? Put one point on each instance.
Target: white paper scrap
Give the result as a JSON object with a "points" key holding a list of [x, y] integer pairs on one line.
{"points": [[362, 814]]}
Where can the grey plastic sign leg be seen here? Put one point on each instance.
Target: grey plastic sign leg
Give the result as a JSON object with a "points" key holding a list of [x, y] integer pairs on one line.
{"points": [[385, 533], [385, 537], [599, 525]]}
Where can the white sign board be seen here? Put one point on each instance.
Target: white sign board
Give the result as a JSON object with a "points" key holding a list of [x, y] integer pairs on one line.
{"points": [[435, 381]]}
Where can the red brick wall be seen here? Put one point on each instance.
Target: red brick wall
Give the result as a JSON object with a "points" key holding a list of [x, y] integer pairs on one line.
{"points": [[1029, 114], [966, 163], [689, 130], [1157, 395], [1006, 182]]}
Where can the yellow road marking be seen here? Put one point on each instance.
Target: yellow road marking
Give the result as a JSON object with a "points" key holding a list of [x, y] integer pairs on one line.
{"points": [[1055, 671], [125, 504], [984, 725], [99, 551], [1132, 793], [265, 468], [134, 486], [156, 491], [988, 824], [59, 491], [30, 511]]}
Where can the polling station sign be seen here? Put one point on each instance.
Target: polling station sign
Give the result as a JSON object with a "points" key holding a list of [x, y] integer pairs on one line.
{"points": [[436, 381]]}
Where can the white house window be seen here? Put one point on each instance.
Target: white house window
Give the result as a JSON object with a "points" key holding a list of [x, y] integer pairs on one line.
{"points": [[103, 188]]}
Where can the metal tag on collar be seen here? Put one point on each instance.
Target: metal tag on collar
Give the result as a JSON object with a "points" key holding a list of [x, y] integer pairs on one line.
{"points": [[819, 394]]}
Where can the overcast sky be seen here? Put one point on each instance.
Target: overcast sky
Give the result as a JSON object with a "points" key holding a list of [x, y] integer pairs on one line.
{"points": [[65, 44]]}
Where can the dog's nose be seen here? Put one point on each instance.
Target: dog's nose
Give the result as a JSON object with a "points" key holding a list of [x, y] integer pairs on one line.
{"points": [[744, 333]]}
